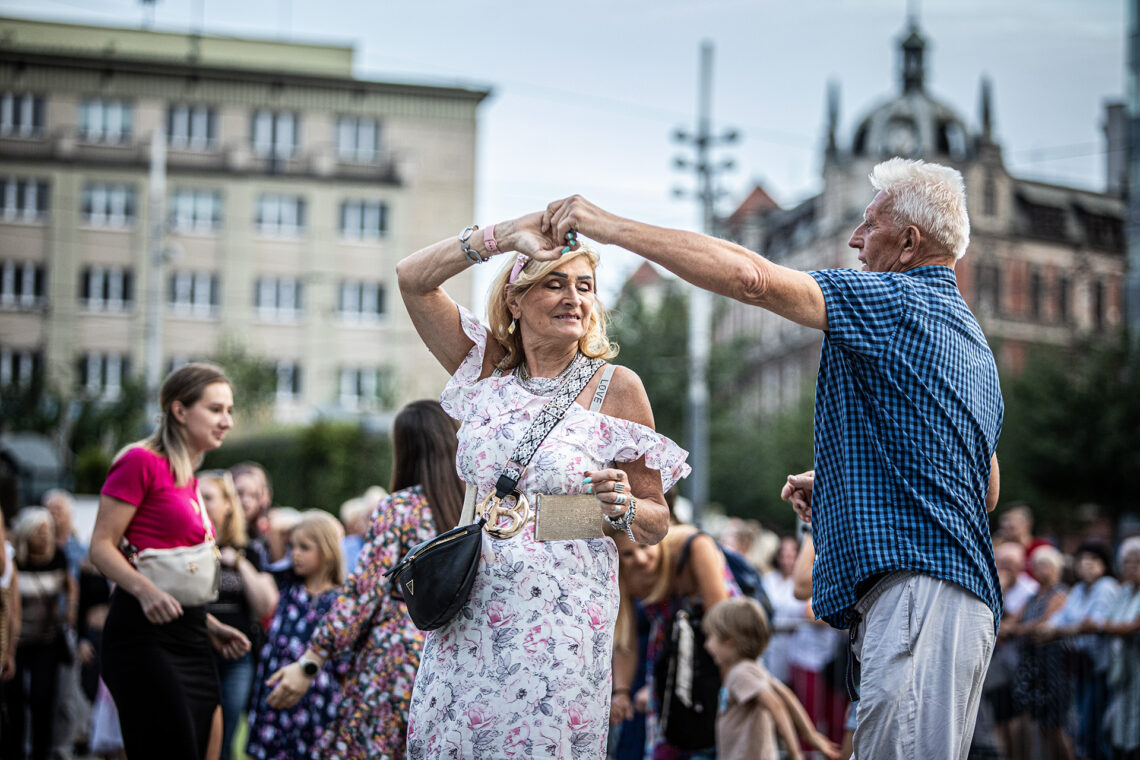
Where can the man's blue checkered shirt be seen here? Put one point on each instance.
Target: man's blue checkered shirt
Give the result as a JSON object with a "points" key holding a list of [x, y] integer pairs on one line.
{"points": [[908, 411]]}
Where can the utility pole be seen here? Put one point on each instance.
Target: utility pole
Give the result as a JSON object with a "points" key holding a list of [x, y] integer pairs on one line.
{"points": [[700, 301], [156, 251], [1132, 206]]}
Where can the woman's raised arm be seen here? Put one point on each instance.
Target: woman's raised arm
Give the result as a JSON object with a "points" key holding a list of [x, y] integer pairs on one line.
{"points": [[421, 277]]}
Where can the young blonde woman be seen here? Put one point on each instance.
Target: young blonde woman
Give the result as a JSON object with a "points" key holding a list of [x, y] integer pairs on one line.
{"points": [[246, 594], [157, 658]]}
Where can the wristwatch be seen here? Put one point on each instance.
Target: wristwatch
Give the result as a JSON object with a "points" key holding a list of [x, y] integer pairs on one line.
{"points": [[308, 667]]}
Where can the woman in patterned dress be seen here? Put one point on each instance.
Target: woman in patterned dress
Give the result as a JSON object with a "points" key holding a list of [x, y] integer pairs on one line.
{"points": [[366, 622], [524, 669]]}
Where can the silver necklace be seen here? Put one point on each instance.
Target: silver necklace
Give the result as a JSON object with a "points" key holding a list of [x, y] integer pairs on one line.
{"points": [[545, 386]]}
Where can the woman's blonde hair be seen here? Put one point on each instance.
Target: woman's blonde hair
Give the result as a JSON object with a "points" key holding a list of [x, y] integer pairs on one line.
{"points": [[28, 521], [594, 344], [663, 576], [232, 531], [326, 532], [185, 385]]}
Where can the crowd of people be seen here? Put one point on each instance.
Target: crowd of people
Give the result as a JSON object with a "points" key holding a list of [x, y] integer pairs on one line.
{"points": [[589, 622]]}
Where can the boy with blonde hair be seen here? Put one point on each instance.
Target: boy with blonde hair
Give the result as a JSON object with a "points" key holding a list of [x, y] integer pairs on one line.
{"points": [[754, 707]]}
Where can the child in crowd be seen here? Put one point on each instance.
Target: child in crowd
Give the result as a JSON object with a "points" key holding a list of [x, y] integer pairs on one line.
{"points": [[754, 707], [306, 595]]}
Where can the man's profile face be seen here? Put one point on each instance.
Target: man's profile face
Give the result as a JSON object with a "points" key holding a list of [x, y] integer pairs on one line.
{"points": [[252, 493], [878, 239]]}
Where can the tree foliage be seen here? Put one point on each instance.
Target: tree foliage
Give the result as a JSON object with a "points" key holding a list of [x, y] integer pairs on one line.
{"points": [[319, 466], [1071, 434], [749, 457]]}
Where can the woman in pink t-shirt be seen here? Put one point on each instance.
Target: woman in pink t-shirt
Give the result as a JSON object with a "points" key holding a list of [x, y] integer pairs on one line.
{"points": [[156, 656]]}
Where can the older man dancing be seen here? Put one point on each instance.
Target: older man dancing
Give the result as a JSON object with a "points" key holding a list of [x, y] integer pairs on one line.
{"points": [[907, 417]]}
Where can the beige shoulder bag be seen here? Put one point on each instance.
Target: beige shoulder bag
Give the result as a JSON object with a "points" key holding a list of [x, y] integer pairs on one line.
{"points": [[188, 573]]}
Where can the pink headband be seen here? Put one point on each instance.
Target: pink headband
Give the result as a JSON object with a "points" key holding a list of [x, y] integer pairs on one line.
{"points": [[520, 262]]}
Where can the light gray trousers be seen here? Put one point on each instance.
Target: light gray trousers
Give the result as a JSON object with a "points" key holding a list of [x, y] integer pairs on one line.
{"points": [[923, 647]]}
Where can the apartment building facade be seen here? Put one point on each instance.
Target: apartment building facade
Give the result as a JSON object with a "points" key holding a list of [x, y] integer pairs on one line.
{"points": [[291, 189]]}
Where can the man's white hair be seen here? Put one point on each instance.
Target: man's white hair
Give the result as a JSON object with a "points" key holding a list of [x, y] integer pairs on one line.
{"points": [[932, 197]]}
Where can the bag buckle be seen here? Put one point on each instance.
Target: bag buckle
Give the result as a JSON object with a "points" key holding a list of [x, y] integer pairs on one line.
{"points": [[493, 510]]}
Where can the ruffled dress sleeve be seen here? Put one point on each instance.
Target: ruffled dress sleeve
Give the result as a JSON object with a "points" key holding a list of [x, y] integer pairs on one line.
{"points": [[460, 390], [627, 441]]}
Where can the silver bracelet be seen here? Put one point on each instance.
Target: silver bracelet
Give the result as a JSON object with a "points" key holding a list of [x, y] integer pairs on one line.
{"points": [[471, 254], [625, 522]]}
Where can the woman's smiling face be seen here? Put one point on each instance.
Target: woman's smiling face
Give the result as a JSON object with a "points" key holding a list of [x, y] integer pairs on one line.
{"points": [[557, 308]]}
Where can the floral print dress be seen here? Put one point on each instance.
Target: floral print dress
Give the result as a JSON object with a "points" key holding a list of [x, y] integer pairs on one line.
{"points": [[524, 669], [372, 627], [293, 732]]}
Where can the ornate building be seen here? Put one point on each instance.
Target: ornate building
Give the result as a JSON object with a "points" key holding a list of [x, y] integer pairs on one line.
{"points": [[292, 188], [1045, 266]]}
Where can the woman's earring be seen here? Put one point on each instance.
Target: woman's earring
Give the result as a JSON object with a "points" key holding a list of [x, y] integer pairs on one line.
{"points": [[513, 326]]}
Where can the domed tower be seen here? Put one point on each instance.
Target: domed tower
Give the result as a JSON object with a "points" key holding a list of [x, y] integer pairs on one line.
{"points": [[912, 124]]}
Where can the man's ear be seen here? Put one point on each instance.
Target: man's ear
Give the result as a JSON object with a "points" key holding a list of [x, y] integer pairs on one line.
{"points": [[909, 244]]}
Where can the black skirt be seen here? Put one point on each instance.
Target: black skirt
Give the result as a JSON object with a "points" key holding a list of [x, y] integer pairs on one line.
{"points": [[162, 678]]}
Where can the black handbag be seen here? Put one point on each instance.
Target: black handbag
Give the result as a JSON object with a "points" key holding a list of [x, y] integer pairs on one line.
{"points": [[434, 578]]}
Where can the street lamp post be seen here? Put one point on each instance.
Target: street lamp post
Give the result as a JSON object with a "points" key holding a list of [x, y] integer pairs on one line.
{"points": [[700, 301]]}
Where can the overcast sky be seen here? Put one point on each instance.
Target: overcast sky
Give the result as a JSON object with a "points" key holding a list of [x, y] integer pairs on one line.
{"points": [[586, 95]]}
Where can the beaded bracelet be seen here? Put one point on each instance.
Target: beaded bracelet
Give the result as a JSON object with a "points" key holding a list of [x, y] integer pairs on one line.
{"points": [[625, 522]]}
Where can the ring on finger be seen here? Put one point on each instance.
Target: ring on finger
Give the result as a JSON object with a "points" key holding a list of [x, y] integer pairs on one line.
{"points": [[619, 487], [620, 501]]}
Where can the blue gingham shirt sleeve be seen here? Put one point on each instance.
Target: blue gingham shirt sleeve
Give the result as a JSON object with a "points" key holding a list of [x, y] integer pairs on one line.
{"points": [[863, 311]]}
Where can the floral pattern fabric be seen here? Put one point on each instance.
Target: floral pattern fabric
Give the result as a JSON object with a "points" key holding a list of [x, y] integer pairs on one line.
{"points": [[367, 623], [524, 669], [294, 732]]}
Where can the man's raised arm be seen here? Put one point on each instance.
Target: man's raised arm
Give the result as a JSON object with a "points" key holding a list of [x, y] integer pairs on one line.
{"points": [[707, 262]]}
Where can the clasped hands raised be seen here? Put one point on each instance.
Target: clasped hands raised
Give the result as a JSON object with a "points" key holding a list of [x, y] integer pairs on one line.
{"points": [[549, 234]]}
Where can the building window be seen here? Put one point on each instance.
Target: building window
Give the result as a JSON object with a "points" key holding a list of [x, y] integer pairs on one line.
{"points": [[989, 196], [107, 204], [1063, 287], [278, 299], [288, 380], [22, 198], [1036, 294], [361, 301], [363, 220], [18, 366], [1098, 305], [989, 289], [194, 294], [21, 114], [191, 127], [361, 387], [22, 285], [357, 138], [280, 214], [195, 210], [274, 133], [102, 375], [108, 289], [106, 121]]}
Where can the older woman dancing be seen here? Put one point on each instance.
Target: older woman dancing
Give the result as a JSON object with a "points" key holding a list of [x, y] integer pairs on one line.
{"points": [[523, 669]]}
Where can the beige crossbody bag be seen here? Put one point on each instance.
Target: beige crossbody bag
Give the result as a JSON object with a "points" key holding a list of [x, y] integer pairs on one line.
{"points": [[188, 573]]}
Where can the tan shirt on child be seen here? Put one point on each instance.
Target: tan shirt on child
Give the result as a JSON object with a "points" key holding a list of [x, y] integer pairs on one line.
{"points": [[744, 729]]}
